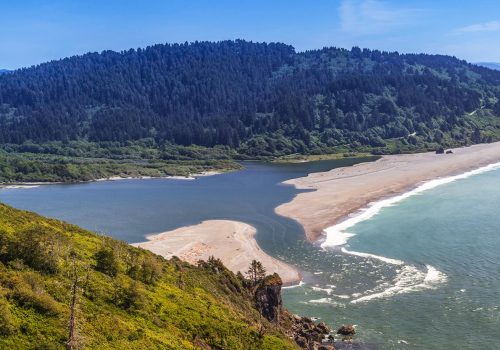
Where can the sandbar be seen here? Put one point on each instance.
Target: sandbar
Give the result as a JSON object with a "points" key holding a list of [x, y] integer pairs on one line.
{"points": [[231, 241], [337, 193]]}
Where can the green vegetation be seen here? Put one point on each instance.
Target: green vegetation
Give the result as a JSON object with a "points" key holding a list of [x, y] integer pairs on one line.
{"points": [[300, 158], [261, 99], [62, 287], [178, 109], [84, 161], [256, 272]]}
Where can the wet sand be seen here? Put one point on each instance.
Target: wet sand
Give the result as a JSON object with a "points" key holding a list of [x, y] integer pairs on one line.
{"points": [[342, 191]]}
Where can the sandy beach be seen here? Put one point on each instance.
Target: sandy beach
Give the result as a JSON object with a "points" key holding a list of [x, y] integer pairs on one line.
{"points": [[231, 241], [342, 191]]}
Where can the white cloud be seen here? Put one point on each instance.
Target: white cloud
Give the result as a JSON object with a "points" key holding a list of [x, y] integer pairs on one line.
{"points": [[492, 26], [365, 17]]}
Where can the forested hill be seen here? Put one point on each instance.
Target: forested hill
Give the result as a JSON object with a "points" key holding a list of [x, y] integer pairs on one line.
{"points": [[258, 98]]}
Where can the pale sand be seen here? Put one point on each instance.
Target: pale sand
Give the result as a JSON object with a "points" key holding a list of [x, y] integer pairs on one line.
{"points": [[231, 241], [342, 191]]}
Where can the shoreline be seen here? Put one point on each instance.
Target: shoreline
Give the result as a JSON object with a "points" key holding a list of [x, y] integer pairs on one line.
{"points": [[231, 241], [340, 194], [337, 235], [14, 185]]}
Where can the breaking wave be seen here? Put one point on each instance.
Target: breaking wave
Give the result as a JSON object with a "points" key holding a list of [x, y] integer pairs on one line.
{"points": [[337, 235], [409, 278]]}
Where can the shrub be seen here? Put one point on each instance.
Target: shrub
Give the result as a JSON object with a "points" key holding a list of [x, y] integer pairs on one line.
{"points": [[129, 296], [107, 262], [28, 292], [6, 324], [148, 271], [38, 247]]}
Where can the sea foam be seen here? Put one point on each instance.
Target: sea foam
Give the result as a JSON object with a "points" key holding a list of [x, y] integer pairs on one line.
{"points": [[373, 256], [337, 235], [409, 278], [301, 283]]}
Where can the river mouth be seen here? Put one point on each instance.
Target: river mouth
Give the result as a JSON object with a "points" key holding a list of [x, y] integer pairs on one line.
{"points": [[426, 310]]}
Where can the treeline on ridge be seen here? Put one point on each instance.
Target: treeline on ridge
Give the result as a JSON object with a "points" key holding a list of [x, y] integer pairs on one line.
{"points": [[261, 99]]}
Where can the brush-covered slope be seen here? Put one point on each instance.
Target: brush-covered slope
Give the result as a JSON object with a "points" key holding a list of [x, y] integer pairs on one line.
{"points": [[262, 99], [126, 298]]}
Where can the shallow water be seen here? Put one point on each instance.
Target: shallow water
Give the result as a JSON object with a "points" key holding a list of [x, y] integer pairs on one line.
{"points": [[443, 293]]}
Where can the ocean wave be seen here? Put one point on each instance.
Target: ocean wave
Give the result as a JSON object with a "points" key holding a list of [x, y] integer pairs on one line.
{"points": [[325, 290], [373, 256], [409, 279], [341, 296], [321, 301], [300, 284], [329, 301], [337, 235]]}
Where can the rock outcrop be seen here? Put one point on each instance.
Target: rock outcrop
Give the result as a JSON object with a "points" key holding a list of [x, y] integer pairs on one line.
{"points": [[347, 330], [310, 335], [268, 298], [304, 331]]}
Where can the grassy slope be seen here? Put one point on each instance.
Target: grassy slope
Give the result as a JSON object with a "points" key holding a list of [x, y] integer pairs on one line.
{"points": [[186, 307]]}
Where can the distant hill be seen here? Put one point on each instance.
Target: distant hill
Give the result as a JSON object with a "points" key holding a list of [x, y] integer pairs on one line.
{"points": [[258, 98], [3, 71], [490, 65]]}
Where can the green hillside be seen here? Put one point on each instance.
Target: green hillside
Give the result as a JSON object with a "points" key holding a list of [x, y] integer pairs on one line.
{"points": [[126, 298]]}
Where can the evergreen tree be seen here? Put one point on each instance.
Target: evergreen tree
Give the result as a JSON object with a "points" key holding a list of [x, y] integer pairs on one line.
{"points": [[256, 272], [229, 92]]}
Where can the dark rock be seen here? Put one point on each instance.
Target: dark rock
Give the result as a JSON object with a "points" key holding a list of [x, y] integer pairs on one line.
{"points": [[308, 334], [440, 150], [347, 330], [303, 330], [306, 325], [301, 341], [355, 346], [449, 151], [323, 327], [326, 347], [268, 298], [313, 345], [315, 336]]}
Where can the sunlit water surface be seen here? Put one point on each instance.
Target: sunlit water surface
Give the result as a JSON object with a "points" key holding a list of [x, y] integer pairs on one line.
{"points": [[444, 292]]}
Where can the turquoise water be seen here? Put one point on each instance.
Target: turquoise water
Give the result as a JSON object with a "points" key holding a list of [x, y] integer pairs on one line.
{"points": [[455, 229], [445, 294]]}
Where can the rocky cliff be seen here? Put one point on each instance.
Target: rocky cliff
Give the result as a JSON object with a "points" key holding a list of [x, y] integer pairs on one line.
{"points": [[306, 333]]}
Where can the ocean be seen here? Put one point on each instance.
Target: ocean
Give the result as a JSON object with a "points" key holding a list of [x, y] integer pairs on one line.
{"points": [[421, 271]]}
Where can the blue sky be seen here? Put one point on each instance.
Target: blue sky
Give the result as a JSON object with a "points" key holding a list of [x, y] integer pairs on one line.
{"points": [[33, 31]]}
